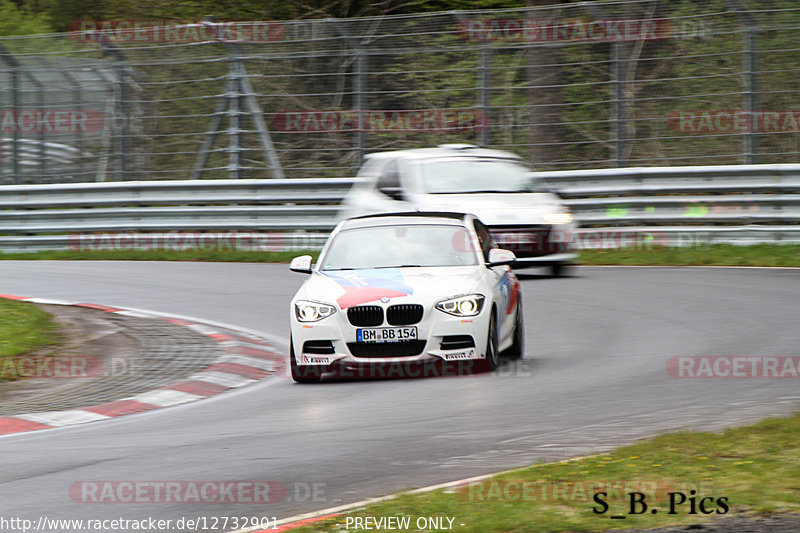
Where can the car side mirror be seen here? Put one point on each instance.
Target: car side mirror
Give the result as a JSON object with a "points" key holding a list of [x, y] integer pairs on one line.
{"points": [[395, 193], [301, 264], [498, 257]]}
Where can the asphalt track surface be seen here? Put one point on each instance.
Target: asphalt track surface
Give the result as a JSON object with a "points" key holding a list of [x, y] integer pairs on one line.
{"points": [[594, 377]]}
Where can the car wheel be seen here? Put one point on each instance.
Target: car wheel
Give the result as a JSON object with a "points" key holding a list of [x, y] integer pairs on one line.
{"points": [[302, 374], [560, 270], [492, 360], [517, 349]]}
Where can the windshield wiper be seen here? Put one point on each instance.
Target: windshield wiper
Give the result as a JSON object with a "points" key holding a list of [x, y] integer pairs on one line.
{"points": [[397, 266]]}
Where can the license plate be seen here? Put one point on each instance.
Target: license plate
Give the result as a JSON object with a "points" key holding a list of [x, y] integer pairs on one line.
{"points": [[386, 334]]}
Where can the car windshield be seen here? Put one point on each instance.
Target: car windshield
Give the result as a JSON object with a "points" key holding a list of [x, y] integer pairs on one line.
{"points": [[400, 246], [459, 176]]}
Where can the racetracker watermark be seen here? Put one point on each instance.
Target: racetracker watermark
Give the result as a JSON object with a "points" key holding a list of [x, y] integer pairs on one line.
{"points": [[64, 367], [232, 241], [734, 121], [564, 30], [550, 240], [50, 121], [494, 490], [732, 367], [440, 368], [193, 492], [160, 31], [406, 120]]}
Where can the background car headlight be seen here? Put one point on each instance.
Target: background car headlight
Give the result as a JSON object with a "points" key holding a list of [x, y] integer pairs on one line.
{"points": [[306, 311], [558, 218], [470, 305]]}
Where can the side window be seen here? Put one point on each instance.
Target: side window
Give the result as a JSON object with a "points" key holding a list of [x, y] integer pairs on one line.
{"points": [[389, 176], [370, 168], [485, 239], [389, 181]]}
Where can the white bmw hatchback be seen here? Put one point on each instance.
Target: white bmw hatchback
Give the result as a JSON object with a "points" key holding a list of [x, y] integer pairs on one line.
{"points": [[403, 289]]}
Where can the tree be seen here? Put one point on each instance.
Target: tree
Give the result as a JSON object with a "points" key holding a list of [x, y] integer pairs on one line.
{"points": [[20, 21]]}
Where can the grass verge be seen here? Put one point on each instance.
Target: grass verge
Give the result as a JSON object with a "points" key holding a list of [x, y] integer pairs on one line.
{"points": [[158, 255], [23, 328], [756, 468], [718, 254], [786, 255]]}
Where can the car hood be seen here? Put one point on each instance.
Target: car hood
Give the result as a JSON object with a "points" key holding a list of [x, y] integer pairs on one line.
{"points": [[497, 209], [348, 288]]}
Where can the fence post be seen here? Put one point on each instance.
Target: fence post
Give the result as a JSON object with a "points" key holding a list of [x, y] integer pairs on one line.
{"points": [[248, 94], [235, 144], [484, 95], [122, 118], [14, 64], [76, 94], [751, 94], [618, 115], [360, 71], [751, 103]]}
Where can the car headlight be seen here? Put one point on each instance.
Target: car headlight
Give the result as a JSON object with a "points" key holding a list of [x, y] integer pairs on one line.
{"points": [[306, 311], [564, 217], [469, 305]]}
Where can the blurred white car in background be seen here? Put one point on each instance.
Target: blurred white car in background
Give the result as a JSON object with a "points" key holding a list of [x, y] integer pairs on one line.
{"points": [[520, 212]]}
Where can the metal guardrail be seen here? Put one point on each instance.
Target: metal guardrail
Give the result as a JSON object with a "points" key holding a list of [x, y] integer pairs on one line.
{"points": [[687, 205]]}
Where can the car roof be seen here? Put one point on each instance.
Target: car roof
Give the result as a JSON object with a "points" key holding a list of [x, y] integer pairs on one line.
{"points": [[446, 151], [408, 217]]}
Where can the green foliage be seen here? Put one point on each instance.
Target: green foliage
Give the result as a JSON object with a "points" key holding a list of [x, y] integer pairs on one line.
{"points": [[16, 20], [23, 328]]}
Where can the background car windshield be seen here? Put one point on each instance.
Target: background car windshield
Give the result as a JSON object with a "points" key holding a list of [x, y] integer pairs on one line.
{"points": [[400, 245], [457, 176]]}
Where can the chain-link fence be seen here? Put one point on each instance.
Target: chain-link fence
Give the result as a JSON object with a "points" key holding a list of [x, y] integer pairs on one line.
{"points": [[594, 84]]}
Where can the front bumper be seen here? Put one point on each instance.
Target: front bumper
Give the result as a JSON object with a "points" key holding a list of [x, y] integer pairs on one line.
{"points": [[331, 342]]}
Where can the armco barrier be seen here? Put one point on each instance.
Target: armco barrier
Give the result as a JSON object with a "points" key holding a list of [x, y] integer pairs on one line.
{"points": [[739, 204]]}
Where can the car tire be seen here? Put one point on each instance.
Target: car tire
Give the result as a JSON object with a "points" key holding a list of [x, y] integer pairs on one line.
{"points": [[560, 270], [517, 348], [302, 374], [492, 360]]}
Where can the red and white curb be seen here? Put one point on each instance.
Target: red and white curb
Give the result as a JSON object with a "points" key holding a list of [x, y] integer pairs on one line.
{"points": [[247, 357]]}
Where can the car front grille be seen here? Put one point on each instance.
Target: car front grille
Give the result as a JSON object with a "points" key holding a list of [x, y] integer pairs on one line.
{"points": [[386, 349], [404, 314], [318, 347], [457, 342], [365, 316]]}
